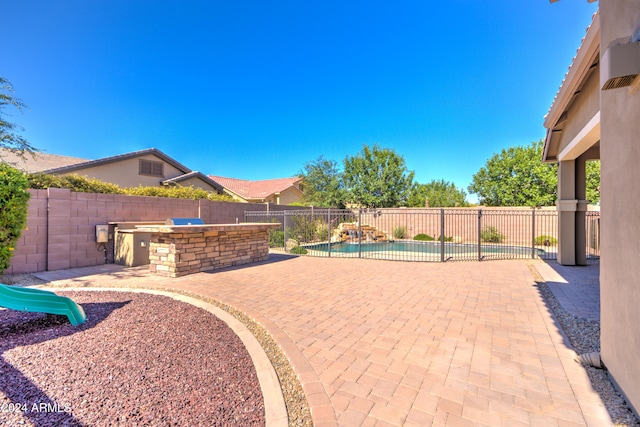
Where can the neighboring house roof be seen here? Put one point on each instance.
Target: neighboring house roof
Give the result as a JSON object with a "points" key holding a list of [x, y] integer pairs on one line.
{"points": [[257, 190], [56, 164], [194, 174], [113, 159], [38, 162]]}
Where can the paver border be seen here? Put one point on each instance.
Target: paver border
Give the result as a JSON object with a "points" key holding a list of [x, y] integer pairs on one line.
{"points": [[274, 405], [593, 410]]}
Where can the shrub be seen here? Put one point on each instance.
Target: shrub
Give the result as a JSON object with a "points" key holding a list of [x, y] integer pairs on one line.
{"points": [[303, 228], [299, 250], [276, 238], [400, 232], [14, 204], [491, 234], [177, 192], [82, 184], [74, 182], [545, 241], [446, 238], [422, 236], [322, 231]]}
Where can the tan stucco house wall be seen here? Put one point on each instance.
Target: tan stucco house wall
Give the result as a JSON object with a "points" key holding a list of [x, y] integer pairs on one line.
{"points": [[590, 120], [148, 168], [620, 207], [125, 173]]}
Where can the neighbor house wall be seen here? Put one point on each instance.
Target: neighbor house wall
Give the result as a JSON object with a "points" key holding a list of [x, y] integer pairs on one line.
{"points": [[60, 230], [125, 173], [290, 195], [620, 208]]}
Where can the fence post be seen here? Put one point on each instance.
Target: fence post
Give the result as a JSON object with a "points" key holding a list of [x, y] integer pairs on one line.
{"points": [[479, 234], [533, 233], [441, 235], [329, 232], [360, 233], [284, 224]]}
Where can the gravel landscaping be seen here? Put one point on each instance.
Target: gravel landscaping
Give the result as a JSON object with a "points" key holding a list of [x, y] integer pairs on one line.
{"points": [[584, 336], [139, 359], [101, 370]]}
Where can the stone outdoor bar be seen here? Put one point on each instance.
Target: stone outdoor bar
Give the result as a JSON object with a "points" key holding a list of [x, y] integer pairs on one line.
{"points": [[179, 250]]}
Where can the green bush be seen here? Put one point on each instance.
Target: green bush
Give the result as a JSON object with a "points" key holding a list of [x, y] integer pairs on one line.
{"points": [[82, 184], [177, 192], [74, 182], [491, 234], [304, 228], [400, 232], [545, 241], [322, 231], [423, 237], [298, 250], [276, 238], [446, 238], [14, 205]]}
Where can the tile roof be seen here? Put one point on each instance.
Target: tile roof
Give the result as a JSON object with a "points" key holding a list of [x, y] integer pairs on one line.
{"points": [[595, 24], [255, 189]]}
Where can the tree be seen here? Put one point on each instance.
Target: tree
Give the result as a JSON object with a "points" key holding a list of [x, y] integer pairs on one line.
{"points": [[9, 139], [517, 177], [323, 184], [436, 194], [377, 177], [14, 204], [593, 182]]}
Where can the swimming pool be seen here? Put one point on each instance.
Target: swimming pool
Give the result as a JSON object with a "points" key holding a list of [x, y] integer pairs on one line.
{"points": [[408, 250]]}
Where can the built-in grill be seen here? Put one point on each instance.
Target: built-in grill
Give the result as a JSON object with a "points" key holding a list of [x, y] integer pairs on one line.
{"points": [[184, 221]]}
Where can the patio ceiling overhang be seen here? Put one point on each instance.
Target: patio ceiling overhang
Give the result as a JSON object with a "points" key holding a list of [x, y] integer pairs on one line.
{"points": [[584, 64]]}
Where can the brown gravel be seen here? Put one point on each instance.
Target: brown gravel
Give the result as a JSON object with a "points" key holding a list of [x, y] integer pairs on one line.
{"points": [[584, 336], [139, 360]]}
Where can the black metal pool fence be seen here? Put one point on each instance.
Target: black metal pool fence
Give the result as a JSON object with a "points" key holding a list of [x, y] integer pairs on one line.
{"points": [[408, 234]]}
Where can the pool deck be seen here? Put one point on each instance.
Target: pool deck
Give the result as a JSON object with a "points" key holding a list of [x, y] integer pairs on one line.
{"points": [[382, 343]]}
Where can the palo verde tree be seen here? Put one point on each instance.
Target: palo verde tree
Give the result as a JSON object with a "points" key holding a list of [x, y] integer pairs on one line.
{"points": [[437, 194], [377, 178]]}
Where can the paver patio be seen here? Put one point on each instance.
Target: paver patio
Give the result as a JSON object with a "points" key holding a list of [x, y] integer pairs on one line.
{"points": [[380, 343]]}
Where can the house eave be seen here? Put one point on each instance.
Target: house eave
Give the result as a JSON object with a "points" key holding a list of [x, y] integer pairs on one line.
{"points": [[583, 64]]}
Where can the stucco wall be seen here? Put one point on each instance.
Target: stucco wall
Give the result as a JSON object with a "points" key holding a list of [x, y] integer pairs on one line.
{"points": [[620, 208], [584, 107], [288, 196], [125, 172], [61, 224]]}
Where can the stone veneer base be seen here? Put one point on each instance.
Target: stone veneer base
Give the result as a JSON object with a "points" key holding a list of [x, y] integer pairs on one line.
{"points": [[179, 250]]}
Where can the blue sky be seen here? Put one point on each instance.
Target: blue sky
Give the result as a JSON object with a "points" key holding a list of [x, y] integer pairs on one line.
{"points": [[254, 89]]}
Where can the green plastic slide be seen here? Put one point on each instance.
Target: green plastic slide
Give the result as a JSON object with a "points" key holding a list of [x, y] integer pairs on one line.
{"points": [[40, 301]]}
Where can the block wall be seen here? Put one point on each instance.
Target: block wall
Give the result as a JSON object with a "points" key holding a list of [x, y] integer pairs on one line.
{"points": [[60, 231]]}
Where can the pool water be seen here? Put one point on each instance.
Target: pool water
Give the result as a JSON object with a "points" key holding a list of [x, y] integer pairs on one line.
{"points": [[407, 248]]}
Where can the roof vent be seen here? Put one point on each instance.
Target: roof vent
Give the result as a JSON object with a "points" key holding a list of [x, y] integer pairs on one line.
{"points": [[620, 64]]}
